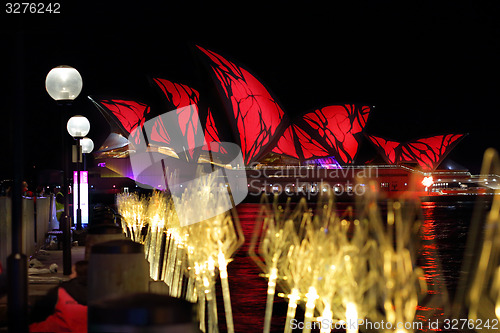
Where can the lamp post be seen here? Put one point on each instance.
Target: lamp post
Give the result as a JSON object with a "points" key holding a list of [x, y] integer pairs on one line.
{"points": [[64, 84], [17, 262], [87, 147], [78, 127]]}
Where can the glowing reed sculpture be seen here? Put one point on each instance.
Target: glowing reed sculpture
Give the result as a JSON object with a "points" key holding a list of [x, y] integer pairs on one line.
{"points": [[349, 264], [192, 253], [201, 259], [296, 272], [157, 217], [157, 214], [211, 243], [132, 208], [274, 232], [301, 263], [400, 281], [342, 267], [478, 293]]}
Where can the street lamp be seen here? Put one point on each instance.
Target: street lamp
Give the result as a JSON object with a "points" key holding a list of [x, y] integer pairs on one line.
{"points": [[87, 147], [78, 127], [64, 84]]}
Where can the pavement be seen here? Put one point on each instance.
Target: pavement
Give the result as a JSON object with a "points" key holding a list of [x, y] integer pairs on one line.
{"points": [[40, 284]]}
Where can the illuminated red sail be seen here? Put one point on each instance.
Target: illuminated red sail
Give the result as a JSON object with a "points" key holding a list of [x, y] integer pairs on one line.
{"points": [[184, 133], [183, 100], [297, 143], [340, 127], [128, 115], [212, 139], [254, 114], [286, 144], [386, 148], [186, 100], [177, 95], [428, 153]]}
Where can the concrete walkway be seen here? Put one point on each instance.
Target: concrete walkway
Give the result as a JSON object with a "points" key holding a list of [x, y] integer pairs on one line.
{"points": [[39, 285]]}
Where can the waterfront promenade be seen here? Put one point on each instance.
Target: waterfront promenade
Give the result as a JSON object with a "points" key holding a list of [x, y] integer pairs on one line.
{"points": [[39, 285]]}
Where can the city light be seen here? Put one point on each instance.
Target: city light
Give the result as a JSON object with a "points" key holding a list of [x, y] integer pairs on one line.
{"points": [[427, 182]]}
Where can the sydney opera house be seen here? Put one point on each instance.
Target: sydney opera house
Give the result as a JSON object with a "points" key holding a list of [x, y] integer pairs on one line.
{"points": [[244, 128]]}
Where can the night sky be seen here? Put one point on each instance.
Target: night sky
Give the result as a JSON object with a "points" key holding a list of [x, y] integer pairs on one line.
{"points": [[428, 68]]}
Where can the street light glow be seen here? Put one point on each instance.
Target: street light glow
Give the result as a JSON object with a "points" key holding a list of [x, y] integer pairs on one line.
{"points": [[63, 83], [78, 126], [87, 145]]}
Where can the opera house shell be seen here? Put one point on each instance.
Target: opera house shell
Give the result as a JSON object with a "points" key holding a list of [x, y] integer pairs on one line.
{"points": [[192, 130]]}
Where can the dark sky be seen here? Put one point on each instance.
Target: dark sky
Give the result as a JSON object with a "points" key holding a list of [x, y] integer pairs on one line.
{"points": [[428, 67]]}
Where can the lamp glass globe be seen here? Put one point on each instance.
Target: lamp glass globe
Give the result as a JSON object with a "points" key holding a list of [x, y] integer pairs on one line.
{"points": [[87, 145], [78, 126], [64, 83]]}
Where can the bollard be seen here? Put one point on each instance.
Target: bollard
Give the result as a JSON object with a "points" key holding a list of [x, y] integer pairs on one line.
{"points": [[143, 312], [101, 233], [102, 215], [117, 268], [17, 292]]}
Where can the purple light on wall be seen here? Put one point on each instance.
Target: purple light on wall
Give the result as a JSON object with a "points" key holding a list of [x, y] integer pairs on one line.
{"points": [[325, 162]]}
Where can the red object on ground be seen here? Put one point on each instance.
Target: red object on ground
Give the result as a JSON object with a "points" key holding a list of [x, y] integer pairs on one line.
{"points": [[68, 316]]}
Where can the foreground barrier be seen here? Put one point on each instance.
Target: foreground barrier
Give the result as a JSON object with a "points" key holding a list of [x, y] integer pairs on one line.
{"points": [[143, 312], [117, 268], [35, 224], [100, 234]]}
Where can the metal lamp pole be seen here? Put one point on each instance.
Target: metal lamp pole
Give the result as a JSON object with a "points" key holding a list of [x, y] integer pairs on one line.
{"points": [[17, 262], [64, 84], [87, 146], [78, 209]]}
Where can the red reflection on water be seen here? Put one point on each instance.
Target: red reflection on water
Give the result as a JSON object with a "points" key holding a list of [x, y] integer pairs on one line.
{"points": [[429, 261]]}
